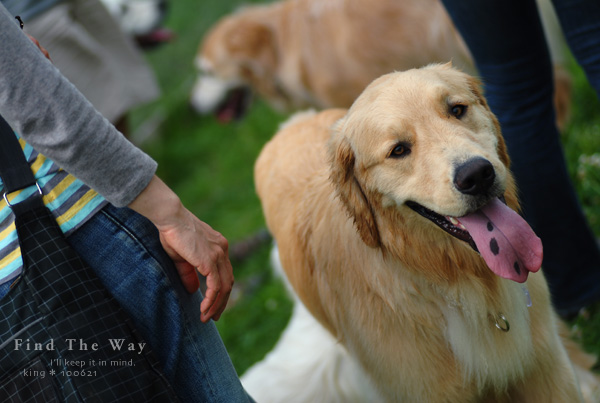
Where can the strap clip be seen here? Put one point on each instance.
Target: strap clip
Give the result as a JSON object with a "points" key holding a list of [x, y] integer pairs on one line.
{"points": [[5, 195]]}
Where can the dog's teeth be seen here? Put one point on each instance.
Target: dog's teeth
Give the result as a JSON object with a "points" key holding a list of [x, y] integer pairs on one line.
{"points": [[455, 222]]}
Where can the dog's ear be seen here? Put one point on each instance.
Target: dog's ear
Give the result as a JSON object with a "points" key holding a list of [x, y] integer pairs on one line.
{"points": [[476, 88], [342, 161]]}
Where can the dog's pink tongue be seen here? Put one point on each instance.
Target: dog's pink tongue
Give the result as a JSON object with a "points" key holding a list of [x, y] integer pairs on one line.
{"points": [[506, 242]]}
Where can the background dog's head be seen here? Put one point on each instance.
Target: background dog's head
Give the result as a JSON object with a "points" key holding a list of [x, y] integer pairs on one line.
{"points": [[423, 144], [142, 19], [238, 55], [138, 17]]}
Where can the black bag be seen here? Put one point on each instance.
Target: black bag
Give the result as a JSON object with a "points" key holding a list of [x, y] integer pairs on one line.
{"points": [[63, 337]]}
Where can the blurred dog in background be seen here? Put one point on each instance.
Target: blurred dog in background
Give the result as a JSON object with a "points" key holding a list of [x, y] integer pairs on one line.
{"points": [[311, 53], [142, 19]]}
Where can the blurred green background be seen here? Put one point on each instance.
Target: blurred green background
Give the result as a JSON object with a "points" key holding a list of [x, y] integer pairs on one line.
{"points": [[210, 166]]}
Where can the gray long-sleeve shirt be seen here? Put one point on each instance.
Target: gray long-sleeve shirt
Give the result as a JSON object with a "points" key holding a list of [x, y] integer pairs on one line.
{"points": [[56, 119]]}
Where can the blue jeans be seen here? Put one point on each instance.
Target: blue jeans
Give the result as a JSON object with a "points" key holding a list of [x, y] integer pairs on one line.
{"points": [[507, 42], [124, 250]]}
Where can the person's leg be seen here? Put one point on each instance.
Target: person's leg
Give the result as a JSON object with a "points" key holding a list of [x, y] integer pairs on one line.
{"points": [[124, 250], [580, 22], [507, 42]]}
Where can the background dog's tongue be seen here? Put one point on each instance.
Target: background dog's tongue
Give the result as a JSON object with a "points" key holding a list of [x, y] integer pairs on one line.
{"points": [[506, 242]]}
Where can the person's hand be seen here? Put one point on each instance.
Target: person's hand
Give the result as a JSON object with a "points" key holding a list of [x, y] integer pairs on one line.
{"points": [[192, 244], [40, 47]]}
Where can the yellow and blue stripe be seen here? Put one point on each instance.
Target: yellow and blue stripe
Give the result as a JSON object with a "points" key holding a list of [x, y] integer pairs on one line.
{"points": [[71, 202]]}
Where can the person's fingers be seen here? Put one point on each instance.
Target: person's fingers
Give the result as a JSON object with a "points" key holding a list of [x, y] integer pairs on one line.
{"points": [[219, 286], [40, 47], [186, 271], [188, 276]]}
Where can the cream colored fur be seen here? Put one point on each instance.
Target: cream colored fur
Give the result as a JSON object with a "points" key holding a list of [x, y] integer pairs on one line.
{"points": [[307, 365], [415, 307]]}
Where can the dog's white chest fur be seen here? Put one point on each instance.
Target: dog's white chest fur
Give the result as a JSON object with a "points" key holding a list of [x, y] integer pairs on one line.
{"points": [[489, 343]]}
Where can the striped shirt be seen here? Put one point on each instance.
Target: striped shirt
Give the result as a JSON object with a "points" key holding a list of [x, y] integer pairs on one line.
{"points": [[71, 202]]}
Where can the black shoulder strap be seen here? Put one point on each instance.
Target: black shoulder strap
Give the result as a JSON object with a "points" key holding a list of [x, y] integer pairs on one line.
{"points": [[14, 169]]}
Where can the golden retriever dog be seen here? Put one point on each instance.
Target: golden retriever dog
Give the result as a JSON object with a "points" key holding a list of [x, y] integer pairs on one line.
{"points": [[395, 223], [322, 54]]}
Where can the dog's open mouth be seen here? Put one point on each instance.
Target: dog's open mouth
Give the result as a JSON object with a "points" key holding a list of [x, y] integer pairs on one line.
{"points": [[505, 241], [235, 105], [154, 38], [449, 224]]}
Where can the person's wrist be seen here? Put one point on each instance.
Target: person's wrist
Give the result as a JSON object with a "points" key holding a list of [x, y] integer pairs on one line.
{"points": [[159, 204]]}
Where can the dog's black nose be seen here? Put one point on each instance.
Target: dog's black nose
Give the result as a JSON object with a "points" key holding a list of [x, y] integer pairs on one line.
{"points": [[475, 176]]}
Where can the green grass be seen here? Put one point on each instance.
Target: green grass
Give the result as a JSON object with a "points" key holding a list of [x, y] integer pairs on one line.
{"points": [[210, 166]]}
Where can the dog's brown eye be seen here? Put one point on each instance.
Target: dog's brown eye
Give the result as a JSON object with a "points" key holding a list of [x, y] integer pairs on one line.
{"points": [[458, 110], [400, 150]]}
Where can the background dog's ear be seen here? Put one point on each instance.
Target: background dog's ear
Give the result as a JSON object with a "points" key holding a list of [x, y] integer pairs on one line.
{"points": [[475, 87], [250, 38], [254, 43], [254, 47], [348, 189]]}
